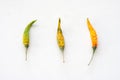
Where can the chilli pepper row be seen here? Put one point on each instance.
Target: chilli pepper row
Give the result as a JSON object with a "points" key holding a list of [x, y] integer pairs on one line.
{"points": [[60, 37]]}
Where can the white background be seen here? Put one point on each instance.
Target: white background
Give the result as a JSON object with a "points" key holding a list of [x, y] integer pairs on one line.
{"points": [[44, 58]]}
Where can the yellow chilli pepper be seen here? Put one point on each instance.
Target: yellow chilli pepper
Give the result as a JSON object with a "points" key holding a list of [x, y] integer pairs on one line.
{"points": [[26, 36], [60, 38], [93, 36]]}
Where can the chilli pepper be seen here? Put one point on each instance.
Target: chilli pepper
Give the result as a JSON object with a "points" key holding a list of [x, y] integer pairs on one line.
{"points": [[26, 39], [60, 38], [93, 36]]}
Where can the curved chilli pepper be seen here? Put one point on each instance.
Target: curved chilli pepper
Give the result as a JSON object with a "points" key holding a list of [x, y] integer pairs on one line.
{"points": [[60, 38], [26, 36], [93, 36]]}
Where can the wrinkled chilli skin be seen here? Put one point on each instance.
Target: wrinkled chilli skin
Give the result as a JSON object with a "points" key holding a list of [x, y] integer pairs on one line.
{"points": [[93, 36], [60, 38], [26, 39]]}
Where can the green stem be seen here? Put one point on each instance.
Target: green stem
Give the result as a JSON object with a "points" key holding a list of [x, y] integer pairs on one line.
{"points": [[26, 53], [62, 51], [91, 59], [63, 58], [94, 48]]}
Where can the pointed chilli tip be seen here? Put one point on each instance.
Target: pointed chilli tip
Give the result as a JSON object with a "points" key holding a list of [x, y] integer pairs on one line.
{"points": [[59, 20], [59, 23], [34, 20], [88, 20]]}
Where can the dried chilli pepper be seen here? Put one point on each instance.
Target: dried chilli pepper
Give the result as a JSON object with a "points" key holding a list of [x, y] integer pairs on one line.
{"points": [[26, 38], [60, 38], [93, 36]]}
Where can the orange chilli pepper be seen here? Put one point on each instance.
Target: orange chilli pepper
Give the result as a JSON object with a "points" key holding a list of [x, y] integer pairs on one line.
{"points": [[93, 36]]}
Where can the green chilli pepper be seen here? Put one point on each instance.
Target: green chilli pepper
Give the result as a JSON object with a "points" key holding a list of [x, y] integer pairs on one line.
{"points": [[26, 39]]}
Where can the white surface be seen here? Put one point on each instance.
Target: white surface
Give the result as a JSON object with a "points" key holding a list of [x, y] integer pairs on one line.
{"points": [[44, 58]]}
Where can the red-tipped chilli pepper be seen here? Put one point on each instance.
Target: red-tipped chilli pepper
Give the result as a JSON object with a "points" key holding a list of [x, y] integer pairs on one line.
{"points": [[26, 39], [93, 36]]}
